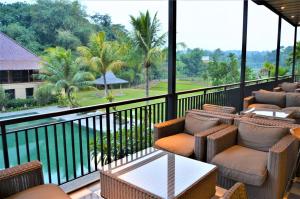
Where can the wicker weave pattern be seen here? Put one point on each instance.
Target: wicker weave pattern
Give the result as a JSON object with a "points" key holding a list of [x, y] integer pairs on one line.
{"points": [[220, 141], [237, 191], [201, 143], [281, 159], [168, 128], [248, 101], [225, 118], [217, 108], [115, 189], [277, 89], [20, 178], [265, 121], [112, 187]]}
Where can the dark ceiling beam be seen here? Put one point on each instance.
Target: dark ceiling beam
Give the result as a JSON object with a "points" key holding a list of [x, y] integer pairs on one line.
{"points": [[266, 4]]}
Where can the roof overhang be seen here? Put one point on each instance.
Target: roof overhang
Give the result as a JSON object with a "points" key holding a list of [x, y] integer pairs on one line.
{"points": [[287, 9]]}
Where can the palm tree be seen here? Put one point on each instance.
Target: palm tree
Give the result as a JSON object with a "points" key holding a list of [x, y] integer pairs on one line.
{"points": [[148, 40], [268, 67], [60, 70], [100, 56]]}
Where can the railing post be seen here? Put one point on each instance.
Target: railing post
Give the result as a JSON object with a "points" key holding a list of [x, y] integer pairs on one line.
{"points": [[278, 49], [171, 98], [244, 54], [107, 112], [4, 145], [294, 54]]}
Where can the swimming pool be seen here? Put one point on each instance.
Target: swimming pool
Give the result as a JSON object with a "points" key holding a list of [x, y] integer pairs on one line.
{"points": [[43, 137]]}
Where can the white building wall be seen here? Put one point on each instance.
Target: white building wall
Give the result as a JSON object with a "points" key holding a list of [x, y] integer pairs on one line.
{"points": [[20, 88]]}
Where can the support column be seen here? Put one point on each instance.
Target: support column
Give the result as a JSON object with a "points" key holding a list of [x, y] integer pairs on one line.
{"points": [[294, 54], [244, 54], [172, 98], [278, 49]]}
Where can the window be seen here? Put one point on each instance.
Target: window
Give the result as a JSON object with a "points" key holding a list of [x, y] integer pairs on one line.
{"points": [[29, 92], [3, 77], [286, 48], [209, 43], [20, 76], [10, 93], [261, 42]]}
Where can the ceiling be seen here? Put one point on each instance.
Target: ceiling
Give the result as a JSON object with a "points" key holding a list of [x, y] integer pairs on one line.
{"points": [[288, 9]]}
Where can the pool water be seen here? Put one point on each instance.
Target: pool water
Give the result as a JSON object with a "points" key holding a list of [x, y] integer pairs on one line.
{"points": [[19, 138]]}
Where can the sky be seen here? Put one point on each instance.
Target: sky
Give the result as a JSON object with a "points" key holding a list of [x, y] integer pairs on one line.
{"points": [[206, 24]]}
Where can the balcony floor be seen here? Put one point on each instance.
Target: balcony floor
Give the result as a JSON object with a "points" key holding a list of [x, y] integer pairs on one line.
{"points": [[93, 192]]}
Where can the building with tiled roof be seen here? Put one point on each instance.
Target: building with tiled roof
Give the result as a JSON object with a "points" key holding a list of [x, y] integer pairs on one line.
{"points": [[17, 65]]}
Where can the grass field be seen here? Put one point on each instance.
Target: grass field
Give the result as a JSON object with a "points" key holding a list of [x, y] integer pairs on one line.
{"points": [[95, 96]]}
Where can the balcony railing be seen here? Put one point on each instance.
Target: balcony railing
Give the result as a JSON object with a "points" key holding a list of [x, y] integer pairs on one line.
{"points": [[72, 143]]}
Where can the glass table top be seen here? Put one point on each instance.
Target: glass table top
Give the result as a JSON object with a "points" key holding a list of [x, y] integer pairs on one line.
{"points": [[161, 173], [269, 113]]}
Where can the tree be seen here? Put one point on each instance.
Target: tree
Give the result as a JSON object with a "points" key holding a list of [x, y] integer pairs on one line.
{"points": [[193, 63], [250, 74], [25, 36], [224, 72], [147, 39], [290, 58], [67, 40], [268, 67], [60, 70], [100, 56]]}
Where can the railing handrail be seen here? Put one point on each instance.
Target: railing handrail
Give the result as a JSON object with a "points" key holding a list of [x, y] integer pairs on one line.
{"points": [[113, 104], [77, 110]]}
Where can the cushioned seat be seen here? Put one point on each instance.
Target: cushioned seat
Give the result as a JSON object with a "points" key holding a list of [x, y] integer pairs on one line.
{"points": [[264, 106], [48, 191], [242, 164], [181, 144]]}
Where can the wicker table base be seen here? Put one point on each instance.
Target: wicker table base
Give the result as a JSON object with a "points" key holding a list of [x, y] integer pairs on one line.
{"points": [[157, 174]]}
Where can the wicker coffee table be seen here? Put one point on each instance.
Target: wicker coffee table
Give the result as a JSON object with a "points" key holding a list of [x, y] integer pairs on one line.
{"points": [[153, 173]]}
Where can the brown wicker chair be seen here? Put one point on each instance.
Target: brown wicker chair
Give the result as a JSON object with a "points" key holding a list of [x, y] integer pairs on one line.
{"points": [[172, 135], [288, 87], [237, 191], [26, 181], [242, 155]]}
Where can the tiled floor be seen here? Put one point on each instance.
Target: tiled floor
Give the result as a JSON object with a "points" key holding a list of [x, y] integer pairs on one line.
{"points": [[90, 192], [93, 192]]}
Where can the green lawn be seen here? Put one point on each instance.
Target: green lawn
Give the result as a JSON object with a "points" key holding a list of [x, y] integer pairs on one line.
{"points": [[95, 96], [181, 85]]}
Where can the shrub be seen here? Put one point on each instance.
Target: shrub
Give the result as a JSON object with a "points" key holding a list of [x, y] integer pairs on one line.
{"points": [[3, 98], [45, 95], [17, 103]]}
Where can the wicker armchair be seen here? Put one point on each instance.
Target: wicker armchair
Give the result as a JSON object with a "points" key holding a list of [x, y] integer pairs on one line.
{"points": [[287, 87], [26, 181], [172, 135], [264, 167], [237, 191]]}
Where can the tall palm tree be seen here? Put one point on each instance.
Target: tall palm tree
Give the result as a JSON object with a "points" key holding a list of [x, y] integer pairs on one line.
{"points": [[100, 56], [60, 70], [147, 38]]}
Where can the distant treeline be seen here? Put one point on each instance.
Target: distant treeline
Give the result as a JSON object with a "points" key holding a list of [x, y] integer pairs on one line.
{"points": [[51, 23]]}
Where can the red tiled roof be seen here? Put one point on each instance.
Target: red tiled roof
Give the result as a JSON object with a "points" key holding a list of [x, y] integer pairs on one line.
{"points": [[15, 57]]}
